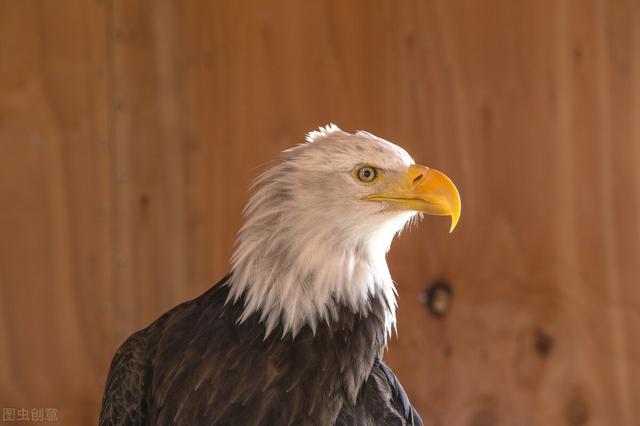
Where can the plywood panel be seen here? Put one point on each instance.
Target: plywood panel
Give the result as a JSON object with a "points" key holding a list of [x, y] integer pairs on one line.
{"points": [[538, 332], [55, 219], [149, 154]]}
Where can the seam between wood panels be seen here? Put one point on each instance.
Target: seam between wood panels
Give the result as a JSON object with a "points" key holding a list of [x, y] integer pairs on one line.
{"points": [[111, 138]]}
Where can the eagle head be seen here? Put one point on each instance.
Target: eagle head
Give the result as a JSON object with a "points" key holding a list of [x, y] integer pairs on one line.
{"points": [[320, 222]]}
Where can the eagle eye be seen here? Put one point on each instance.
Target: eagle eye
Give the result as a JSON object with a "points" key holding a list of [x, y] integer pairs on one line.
{"points": [[366, 174]]}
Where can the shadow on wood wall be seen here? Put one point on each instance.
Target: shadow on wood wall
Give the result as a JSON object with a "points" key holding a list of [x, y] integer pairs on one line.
{"points": [[131, 130]]}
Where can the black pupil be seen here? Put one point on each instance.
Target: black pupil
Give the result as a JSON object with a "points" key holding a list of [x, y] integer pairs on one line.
{"points": [[366, 173]]}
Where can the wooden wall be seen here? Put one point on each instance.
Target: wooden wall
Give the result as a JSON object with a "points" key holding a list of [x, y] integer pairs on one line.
{"points": [[130, 131]]}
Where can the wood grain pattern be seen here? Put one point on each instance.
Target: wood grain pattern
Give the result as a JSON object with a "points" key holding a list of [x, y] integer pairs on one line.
{"points": [[131, 130], [55, 254]]}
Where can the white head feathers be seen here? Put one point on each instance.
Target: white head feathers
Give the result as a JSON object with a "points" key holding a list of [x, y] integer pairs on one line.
{"points": [[309, 241]]}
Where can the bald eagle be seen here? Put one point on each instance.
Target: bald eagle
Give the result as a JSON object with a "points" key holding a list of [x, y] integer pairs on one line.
{"points": [[294, 334]]}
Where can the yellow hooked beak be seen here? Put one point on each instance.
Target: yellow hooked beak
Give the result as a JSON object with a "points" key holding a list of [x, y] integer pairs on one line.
{"points": [[423, 190]]}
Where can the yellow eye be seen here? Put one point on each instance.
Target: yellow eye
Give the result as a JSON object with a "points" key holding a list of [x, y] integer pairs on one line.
{"points": [[366, 173]]}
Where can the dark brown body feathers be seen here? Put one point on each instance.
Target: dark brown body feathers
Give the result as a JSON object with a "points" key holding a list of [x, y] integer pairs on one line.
{"points": [[196, 365]]}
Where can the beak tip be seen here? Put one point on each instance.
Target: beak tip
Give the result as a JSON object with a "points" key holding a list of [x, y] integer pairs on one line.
{"points": [[447, 195], [454, 223], [455, 217]]}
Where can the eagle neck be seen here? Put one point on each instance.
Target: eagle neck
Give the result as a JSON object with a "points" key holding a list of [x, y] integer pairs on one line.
{"points": [[291, 286]]}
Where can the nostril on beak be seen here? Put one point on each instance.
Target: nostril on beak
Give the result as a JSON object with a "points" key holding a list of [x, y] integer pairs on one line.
{"points": [[417, 178]]}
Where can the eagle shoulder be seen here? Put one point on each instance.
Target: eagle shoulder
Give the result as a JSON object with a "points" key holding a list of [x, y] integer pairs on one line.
{"points": [[123, 402], [399, 397], [382, 401]]}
